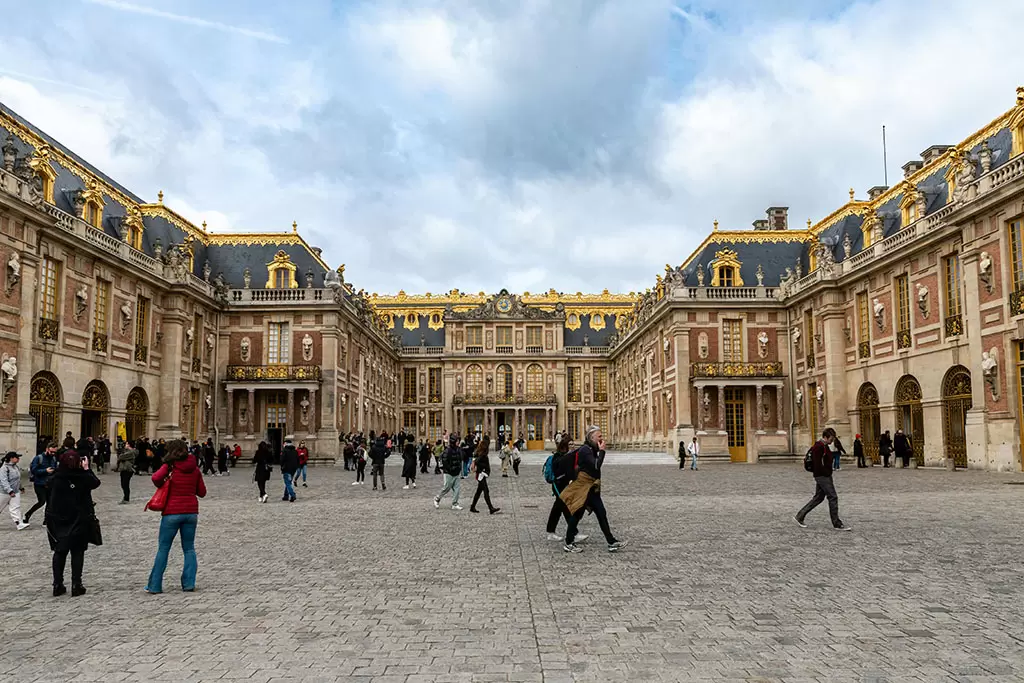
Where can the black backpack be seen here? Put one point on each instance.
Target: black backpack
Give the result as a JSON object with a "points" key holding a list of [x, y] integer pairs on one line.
{"points": [[809, 460]]}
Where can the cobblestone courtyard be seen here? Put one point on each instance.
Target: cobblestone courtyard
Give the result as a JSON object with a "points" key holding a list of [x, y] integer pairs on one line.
{"points": [[718, 583]]}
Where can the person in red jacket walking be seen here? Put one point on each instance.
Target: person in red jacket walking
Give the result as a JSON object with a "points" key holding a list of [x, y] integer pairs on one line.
{"points": [[181, 513], [303, 453]]}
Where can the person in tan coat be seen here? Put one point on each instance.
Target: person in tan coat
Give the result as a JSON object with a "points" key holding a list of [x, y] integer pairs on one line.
{"points": [[584, 493]]}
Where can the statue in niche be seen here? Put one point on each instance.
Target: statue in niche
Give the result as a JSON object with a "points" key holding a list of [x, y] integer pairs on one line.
{"points": [[990, 371], [879, 309], [307, 348], [245, 346], [304, 411], [703, 347], [796, 337], [81, 302], [13, 272], [799, 398], [762, 344], [922, 300], [8, 376], [985, 270], [243, 414], [126, 316]]}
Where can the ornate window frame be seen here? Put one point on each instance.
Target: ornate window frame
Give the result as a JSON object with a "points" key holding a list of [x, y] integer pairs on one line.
{"points": [[726, 258], [40, 163], [282, 261]]}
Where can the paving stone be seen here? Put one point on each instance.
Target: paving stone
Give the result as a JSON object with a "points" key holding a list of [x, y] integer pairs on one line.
{"points": [[718, 584]]}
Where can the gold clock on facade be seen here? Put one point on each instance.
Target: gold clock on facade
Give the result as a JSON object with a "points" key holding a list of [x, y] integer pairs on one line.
{"points": [[504, 305]]}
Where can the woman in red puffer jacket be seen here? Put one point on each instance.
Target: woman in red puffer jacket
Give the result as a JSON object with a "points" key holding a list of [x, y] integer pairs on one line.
{"points": [[180, 514]]}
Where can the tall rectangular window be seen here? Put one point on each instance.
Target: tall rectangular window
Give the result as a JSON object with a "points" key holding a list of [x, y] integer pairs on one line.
{"points": [[863, 325], [534, 338], [434, 385], [574, 425], [409, 421], [1017, 254], [141, 320], [809, 333], [197, 337], [574, 376], [504, 338], [732, 341], [409, 385], [601, 421], [600, 384], [50, 289], [954, 320], [902, 285], [474, 337], [434, 430], [101, 310], [277, 344]]}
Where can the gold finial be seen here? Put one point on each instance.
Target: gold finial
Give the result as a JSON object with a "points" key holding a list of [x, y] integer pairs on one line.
{"points": [[716, 225], [808, 223], [204, 226], [1020, 95], [160, 196], [341, 269], [851, 194], [295, 226]]}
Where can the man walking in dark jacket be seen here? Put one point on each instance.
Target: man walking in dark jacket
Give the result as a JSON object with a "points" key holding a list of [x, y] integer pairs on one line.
{"points": [[378, 454], [289, 465], [590, 458], [42, 468], [821, 464]]}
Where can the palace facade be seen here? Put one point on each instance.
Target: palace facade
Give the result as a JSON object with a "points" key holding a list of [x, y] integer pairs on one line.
{"points": [[902, 309]]}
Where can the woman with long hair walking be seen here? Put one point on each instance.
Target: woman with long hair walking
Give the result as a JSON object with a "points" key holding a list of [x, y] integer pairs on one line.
{"points": [[409, 464], [262, 469], [482, 467], [181, 514]]}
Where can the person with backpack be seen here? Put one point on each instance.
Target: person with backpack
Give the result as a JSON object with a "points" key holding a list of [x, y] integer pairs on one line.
{"points": [[451, 462], [584, 492], [359, 463], [482, 468], [818, 461], [558, 470], [42, 468], [289, 466]]}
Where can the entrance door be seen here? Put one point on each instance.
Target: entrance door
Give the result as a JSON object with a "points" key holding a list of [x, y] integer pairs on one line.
{"points": [[735, 424], [475, 421], [503, 427], [276, 418], [956, 401], [92, 421], [867, 405], [535, 430]]}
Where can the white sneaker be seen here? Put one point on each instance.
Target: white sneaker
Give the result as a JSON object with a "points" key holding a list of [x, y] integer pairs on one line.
{"points": [[456, 507], [264, 498], [414, 484], [554, 537], [361, 483], [23, 525], [405, 488], [355, 483], [437, 502]]}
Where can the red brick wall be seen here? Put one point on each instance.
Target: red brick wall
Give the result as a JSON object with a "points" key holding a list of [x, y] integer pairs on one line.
{"points": [[712, 334], [255, 348]]}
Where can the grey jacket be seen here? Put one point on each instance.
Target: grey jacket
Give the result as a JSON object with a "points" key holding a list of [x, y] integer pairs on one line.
{"points": [[10, 478]]}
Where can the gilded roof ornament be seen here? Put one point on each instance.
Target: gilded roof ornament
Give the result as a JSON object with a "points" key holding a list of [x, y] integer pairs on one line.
{"points": [[160, 197], [851, 194]]}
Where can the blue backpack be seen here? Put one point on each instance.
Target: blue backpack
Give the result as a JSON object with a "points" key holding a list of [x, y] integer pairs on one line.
{"points": [[549, 470]]}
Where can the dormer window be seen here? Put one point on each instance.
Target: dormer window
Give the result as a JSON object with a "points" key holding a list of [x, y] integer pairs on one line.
{"points": [[281, 272], [40, 163], [725, 269]]}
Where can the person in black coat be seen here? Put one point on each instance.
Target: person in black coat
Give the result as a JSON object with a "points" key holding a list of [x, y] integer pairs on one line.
{"points": [[289, 466], [482, 467], [858, 451], [901, 444], [424, 456], [262, 469], [69, 519], [378, 454], [409, 463], [885, 447]]}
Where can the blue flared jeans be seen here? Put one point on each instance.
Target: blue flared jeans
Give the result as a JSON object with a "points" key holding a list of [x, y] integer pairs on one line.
{"points": [[170, 525]]}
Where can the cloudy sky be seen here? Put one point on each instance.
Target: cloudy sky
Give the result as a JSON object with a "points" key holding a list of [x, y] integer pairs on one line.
{"points": [[527, 144]]}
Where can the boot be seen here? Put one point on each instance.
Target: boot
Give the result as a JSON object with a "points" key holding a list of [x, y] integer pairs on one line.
{"points": [[77, 589], [59, 590]]}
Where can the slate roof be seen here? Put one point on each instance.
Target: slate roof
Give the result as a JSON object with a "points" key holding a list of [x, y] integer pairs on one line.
{"points": [[594, 337], [773, 257]]}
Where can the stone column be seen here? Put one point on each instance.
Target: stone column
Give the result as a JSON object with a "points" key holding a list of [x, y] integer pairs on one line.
{"points": [[977, 431], [312, 413], [251, 422], [721, 407], [172, 353], [759, 394], [780, 413], [23, 427], [836, 406], [230, 431]]}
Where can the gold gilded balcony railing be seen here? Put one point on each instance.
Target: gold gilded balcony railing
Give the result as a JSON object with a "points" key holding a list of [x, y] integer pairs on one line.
{"points": [[499, 399], [736, 369], [274, 373]]}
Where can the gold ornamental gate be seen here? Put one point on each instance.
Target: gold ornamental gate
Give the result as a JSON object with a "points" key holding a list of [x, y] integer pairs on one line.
{"points": [[44, 405], [910, 415], [956, 401], [870, 421]]}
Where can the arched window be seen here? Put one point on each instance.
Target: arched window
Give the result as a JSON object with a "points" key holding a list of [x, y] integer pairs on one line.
{"points": [[475, 380], [534, 380], [504, 386], [281, 272]]}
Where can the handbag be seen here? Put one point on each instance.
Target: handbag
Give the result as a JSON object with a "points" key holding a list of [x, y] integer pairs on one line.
{"points": [[95, 533], [158, 501]]}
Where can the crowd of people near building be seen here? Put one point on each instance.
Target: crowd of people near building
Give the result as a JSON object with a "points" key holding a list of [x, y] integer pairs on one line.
{"points": [[64, 475]]}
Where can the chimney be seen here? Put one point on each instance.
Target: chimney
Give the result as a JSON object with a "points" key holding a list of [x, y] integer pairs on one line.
{"points": [[912, 167], [778, 217], [934, 152], [761, 224], [876, 191]]}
